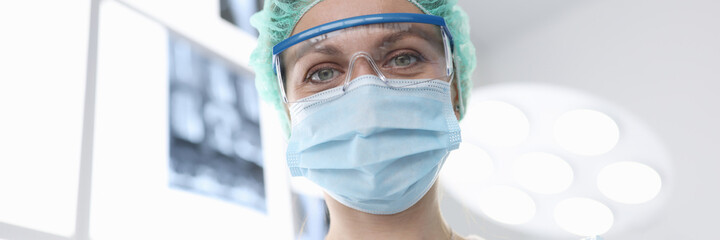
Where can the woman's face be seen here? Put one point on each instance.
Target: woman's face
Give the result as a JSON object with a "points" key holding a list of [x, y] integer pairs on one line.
{"points": [[331, 10]]}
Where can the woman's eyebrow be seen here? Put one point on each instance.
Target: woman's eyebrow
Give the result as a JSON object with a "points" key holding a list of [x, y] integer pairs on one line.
{"points": [[325, 49], [392, 38], [322, 47]]}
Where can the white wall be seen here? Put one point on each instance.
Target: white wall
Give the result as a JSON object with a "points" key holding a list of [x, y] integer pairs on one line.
{"points": [[43, 53], [657, 59]]}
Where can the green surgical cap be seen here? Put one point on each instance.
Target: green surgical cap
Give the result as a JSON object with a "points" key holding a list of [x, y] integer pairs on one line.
{"points": [[278, 18]]}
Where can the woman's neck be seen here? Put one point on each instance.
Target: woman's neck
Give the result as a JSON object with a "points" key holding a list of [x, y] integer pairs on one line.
{"points": [[421, 221]]}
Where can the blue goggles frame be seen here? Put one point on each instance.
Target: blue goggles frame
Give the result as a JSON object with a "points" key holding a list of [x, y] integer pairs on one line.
{"points": [[358, 21]]}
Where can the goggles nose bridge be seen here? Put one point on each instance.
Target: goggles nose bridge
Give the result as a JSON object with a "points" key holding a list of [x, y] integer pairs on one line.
{"points": [[353, 60]]}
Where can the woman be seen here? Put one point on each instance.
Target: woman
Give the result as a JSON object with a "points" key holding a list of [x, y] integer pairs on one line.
{"points": [[370, 92]]}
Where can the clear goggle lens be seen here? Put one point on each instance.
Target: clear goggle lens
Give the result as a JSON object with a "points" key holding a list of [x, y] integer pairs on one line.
{"points": [[392, 51]]}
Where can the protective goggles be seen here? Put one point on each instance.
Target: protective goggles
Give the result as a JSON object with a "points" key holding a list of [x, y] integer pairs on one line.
{"points": [[408, 47]]}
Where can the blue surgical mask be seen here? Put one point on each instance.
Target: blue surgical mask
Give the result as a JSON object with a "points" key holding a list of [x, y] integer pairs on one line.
{"points": [[373, 147]]}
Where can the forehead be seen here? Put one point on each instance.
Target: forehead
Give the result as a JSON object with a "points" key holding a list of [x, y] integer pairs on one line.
{"points": [[331, 10]]}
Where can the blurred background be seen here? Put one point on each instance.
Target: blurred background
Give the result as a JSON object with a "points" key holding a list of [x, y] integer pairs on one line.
{"points": [[130, 119]]}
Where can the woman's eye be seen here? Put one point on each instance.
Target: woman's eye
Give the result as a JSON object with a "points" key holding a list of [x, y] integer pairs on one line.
{"points": [[323, 75], [403, 60]]}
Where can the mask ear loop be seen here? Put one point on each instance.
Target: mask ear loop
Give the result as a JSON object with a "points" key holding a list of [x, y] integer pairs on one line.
{"points": [[367, 57]]}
